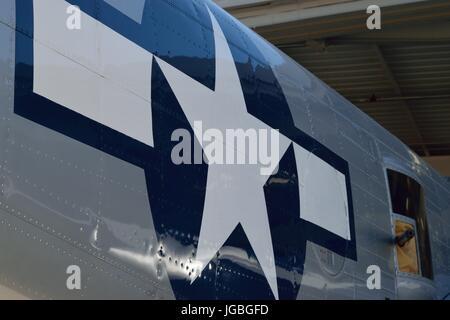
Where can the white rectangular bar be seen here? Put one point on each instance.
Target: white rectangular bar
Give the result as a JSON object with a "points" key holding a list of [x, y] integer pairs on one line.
{"points": [[66, 82], [323, 193], [93, 71]]}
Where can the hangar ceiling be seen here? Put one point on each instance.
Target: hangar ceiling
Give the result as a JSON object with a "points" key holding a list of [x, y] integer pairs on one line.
{"points": [[399, 75]]}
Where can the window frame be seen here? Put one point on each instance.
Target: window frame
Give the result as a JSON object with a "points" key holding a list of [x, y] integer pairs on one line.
{"points": [[391, 163]]}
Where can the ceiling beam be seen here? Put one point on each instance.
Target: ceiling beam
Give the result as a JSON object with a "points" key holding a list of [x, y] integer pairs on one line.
{"points": [[390, 76], [301, 13], [431, 32], [232, 4]]}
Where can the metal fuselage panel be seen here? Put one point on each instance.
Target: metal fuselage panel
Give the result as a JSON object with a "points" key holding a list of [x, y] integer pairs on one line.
{"points": [[79, 188]]}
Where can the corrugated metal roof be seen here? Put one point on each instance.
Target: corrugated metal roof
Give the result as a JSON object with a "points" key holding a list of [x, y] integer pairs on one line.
{"points": [[399, 75]]}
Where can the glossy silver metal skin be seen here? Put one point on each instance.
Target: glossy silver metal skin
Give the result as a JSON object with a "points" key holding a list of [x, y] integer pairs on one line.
{"points": [[64, 203]]}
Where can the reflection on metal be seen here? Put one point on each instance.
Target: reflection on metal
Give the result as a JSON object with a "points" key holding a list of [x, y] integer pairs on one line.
{"points": [[160, 262], [282, 177]]}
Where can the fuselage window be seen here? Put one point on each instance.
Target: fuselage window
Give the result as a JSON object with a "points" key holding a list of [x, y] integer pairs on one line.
{"points": [[410, 223]]}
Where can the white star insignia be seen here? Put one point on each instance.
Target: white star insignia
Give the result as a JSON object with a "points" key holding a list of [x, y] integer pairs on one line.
{"points": [[226, 205]]}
